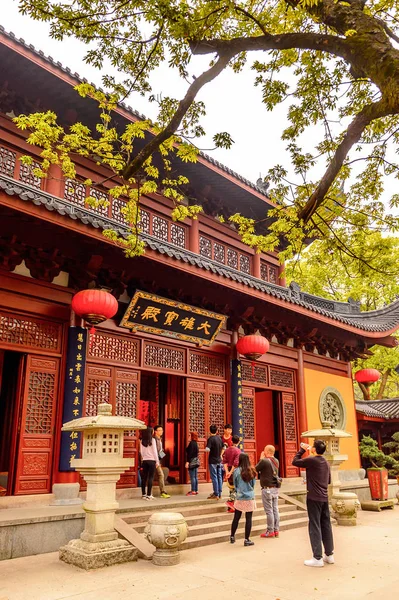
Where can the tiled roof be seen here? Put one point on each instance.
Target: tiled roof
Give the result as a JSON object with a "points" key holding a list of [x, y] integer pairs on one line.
{"points": [[381, 320], [383, 409], [125, 106]]}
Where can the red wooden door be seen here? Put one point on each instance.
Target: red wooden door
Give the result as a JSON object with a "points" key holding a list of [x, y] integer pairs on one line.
{"points": [[35, 439], [206, 406], [289, 434]]}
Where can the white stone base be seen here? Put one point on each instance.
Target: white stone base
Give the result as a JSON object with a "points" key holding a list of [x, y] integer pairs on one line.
{"points": [[345, 506], [66, 494], [165, 558], [88, 555]]}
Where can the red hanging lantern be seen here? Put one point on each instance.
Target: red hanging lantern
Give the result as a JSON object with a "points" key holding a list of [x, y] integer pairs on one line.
{"points": [[367, 377], [94, 306], [252, 347]]}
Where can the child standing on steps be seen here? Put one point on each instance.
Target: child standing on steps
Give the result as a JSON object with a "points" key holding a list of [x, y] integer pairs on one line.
{"points": [[244, 478]]}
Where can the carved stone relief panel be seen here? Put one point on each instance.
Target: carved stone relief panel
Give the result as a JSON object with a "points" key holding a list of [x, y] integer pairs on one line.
{"points": [[332, 408]]}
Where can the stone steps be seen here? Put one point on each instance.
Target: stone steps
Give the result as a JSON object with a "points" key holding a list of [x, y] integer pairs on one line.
{"points": [[210, 523]]}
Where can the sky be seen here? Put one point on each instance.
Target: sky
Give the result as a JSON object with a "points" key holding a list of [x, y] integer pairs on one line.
{"points": [[230, 105]]}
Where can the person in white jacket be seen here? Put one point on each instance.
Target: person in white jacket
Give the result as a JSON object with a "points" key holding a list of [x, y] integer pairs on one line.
{"points": [[149, 462]]}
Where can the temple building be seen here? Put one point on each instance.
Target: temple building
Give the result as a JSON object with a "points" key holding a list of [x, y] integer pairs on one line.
{"points": [[180, 371]]}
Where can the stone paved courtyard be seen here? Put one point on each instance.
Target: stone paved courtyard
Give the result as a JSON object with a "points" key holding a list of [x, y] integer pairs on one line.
{"points": [[366, 567]]}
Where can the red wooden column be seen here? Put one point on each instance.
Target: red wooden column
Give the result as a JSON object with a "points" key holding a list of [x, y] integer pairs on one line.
{"points": [[54, 184], [256, 265], [301, 397], [281, 280], [194, 236]]}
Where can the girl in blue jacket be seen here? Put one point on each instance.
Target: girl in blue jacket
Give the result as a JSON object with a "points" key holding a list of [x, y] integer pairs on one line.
{"points": [[244, 478]]}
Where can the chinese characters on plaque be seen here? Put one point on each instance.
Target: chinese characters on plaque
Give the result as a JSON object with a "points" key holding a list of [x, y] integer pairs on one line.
{"points": [[153, 314], [236, 400], [73, 395]]}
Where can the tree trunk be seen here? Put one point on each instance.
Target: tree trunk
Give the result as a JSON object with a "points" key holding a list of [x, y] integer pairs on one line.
{"points": [[365, 390], [383, 384]]}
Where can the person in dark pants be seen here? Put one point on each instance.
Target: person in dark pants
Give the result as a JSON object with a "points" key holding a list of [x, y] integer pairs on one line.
{"points": [[318, 476], [149, 461], [244, 478], [192, 463], [214, 446]]}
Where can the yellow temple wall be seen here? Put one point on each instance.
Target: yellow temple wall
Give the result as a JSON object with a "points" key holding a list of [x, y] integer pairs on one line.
{"points": [[315, 382]]}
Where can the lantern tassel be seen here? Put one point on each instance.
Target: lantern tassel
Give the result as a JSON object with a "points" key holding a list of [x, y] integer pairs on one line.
{"points": [[92, 333], [253, 368]]}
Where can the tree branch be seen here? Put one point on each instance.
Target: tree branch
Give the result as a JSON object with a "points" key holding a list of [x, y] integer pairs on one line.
{"points": [[302, 41], [177, 118], [351, 137]]}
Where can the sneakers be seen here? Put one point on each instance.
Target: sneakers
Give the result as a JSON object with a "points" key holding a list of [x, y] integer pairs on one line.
{"points": [[230, 504], [276, 534], [144, 497], [232, 539], [249, 543], [231, 510], [268, 534], [314, 562], [213, 497], [164, 495], [329, 559], [195, 493], [190, 494], [150, 497]]}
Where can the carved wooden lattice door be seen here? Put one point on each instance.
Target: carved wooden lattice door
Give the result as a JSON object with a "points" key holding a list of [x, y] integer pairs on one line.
{"points": [[36, 426], [289, 435], [248, 405], [120, 388], [206, 405]]}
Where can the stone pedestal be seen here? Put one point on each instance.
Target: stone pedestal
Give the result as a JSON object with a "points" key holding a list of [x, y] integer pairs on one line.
{"points": [[87, 555], [344, 508], [101, 466], [377, 505], [166, 531], [66, 494]]}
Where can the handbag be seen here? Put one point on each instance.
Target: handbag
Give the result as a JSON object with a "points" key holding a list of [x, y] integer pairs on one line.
{"points": [[194, 463], [277, 479]]}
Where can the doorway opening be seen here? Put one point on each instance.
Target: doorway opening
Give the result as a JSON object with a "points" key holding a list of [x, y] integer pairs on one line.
{"points": [[267, 421], [162, 403], [10, 389]]}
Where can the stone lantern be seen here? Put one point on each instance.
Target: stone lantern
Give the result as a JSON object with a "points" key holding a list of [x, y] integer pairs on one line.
{"points": [[101, 466], [344, 504]]}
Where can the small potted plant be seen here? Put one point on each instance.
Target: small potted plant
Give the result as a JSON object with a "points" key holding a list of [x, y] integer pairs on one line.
{"points": [[377, 474]]}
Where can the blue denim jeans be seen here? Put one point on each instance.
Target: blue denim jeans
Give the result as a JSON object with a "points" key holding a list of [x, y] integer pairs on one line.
{"points": [[194, 479], [216, 474]]}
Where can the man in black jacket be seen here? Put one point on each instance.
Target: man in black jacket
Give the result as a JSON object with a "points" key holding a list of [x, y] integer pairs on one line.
{"points": [[318, 477]]}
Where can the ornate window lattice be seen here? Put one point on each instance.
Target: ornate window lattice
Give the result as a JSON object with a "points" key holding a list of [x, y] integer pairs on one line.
{"points": [[98, 391], [178, 235], [75, 192], [126, 399], [205, 247], [259, 373], [272, 274], [27, 176], [144, 221], [216, 410], [264, 272], [245, 264], [232, 258], [114, 348], [160, 228], [207, 364], [163, 357], [219, 253], [249, 417], [280, 378], [40, 403], [289, 421], [24, 332], [196, 411], [7, 161], [116, 210], [99, 195]]}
